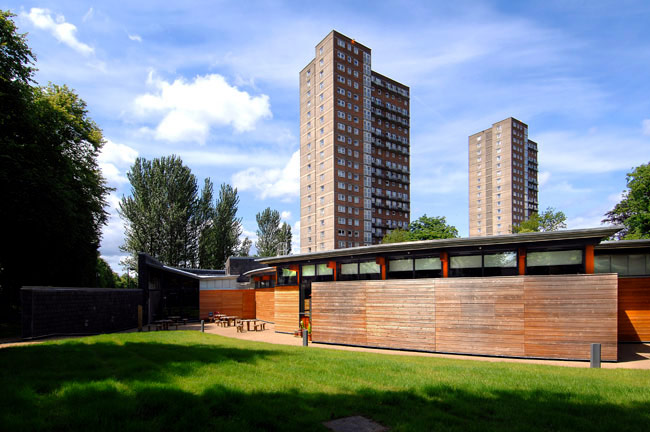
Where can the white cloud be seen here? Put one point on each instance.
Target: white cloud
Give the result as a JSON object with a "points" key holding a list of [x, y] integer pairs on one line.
{"points": [[187, 110], [60, 29], [272, 183], [114, 159], [544, 176], [572, 152], [285, 215], [88, 15], [295, 238], [135, 37], [646, 127]]}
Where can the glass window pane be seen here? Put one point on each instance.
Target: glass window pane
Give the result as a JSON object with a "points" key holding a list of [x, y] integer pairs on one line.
{"points": [[619, 264], [636, 265], [505, 259], [369, 267], [400, 265], [288, 273], [601, 264], [554, 258], [324, 270], [309, 270], [428, 264], [472, 261], [349, 268]]}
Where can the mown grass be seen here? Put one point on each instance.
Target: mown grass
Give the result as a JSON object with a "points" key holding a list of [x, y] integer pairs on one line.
{"points": [[189, 381]]}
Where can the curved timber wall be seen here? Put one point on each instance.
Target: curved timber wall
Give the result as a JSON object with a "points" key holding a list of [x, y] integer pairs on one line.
{"points": [[519, 316]]}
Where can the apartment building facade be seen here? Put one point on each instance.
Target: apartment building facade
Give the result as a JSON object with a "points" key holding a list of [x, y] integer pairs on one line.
{"points": [[503, 187], [354, 149]]}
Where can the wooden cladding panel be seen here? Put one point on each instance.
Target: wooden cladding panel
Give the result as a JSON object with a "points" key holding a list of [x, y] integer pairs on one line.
{"points": [[634, 309], [239, 303], [565, 314], [523, 316], [480, 316], [265, 304], [339, 312], [401, 314], [286, 308]]}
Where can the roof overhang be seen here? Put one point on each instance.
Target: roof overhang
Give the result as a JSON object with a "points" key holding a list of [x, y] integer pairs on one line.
{"points": [[593, 234], [624, 244]]}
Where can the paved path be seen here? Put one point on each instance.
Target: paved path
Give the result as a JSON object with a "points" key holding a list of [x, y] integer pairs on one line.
{"points": [[631, 356]]}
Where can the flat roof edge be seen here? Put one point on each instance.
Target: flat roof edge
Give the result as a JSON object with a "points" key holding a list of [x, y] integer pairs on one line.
{"points": [[586, 233]]}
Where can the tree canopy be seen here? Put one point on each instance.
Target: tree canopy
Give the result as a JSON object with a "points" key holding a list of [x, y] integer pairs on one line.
{"points": [[220, 237], [424, 228], [633, 211], [273, 238], [52, 192], [548, 220]]}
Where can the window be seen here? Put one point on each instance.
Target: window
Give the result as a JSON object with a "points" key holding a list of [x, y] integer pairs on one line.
{"points": [[287, 276], [400, 268], [623, 264], [465, 266], [428, 267], [500, 264], [369, 270], [554, 262]]}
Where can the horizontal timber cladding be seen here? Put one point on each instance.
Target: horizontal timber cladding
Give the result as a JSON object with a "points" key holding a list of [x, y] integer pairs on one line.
{"points": [[239, 303], [519, 316], [634, 309], [565, 314], [265, 304], [287, 308]]}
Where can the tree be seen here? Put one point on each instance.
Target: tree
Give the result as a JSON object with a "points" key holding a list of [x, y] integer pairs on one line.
{"points": [[430, 228], [220, 238], [106, 278], [424, 228], [162, 214], [633, 211], [272, 238], [245, 248], [548, 220], [397, 236], [52, 192], [284, 239]]}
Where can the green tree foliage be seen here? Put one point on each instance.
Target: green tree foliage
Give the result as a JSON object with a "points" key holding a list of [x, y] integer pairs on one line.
{"points": [[220, 236], [106, 278], [245, 248], [162, 214], [548, 220], [284, 239], [424, 228], [273, 238], [397, 236], [52, 192], [633, 212]]}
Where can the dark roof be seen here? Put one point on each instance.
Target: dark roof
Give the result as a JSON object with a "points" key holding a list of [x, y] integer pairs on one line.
{"points": [[624, 244], [595, 234], [203, 272]]}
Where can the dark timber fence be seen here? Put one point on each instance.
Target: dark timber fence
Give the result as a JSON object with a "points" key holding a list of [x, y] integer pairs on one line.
{"points": [[48, 311]]}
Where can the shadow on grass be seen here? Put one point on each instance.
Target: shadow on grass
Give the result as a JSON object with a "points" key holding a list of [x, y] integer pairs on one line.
{"points": [[139, 386], [91, 407], [49, 366]]}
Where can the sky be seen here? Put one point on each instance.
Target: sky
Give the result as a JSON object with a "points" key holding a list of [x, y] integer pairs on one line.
{"points": [[216, 82]]}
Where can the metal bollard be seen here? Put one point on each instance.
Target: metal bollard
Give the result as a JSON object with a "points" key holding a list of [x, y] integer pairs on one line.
{"points": [[595, 355], [305, 338], [202, 326]]}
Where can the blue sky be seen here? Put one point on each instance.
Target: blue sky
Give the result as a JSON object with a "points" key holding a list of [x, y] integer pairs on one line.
{"points": [[216, 82]]}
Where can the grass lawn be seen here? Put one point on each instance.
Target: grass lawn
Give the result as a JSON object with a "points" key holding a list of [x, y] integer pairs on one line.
{"points": [[189, 381]]}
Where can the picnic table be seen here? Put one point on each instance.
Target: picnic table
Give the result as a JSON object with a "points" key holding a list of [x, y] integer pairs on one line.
{"points": [[256, 326], [229, 318], [163, 324]]}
